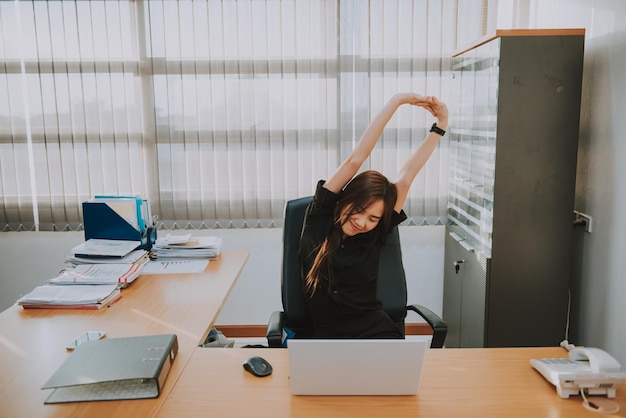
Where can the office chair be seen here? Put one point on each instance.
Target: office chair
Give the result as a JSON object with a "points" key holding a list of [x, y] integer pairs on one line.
{"points": [[392, 290]]}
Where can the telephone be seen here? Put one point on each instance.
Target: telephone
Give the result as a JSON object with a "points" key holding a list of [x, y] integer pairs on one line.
{"points": [[589, 369]]}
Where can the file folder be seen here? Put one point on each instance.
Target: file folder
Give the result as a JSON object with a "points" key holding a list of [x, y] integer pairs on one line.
{"points": [[138, 207], [102, 222], [114, 369]]}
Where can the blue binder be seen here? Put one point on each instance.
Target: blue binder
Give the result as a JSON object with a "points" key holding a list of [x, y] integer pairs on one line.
{"points": [[102, 222], [139, 205]]}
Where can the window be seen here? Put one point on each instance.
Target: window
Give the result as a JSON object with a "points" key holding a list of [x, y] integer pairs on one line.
{"points": [[218, 111]]}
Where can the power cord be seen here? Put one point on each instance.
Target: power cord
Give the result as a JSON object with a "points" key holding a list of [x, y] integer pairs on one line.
{"points": [[601, 406], [565, 344]]}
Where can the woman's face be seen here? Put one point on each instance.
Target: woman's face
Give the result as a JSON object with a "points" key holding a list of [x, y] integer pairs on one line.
{"points": [[362, 221]]}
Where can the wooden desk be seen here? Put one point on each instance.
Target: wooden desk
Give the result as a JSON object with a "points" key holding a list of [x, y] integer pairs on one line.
{"points": [[497, 382], [32, 342]]}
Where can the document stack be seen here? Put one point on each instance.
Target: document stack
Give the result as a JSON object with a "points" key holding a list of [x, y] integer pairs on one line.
{"points": [[96, 271], [186, 246], [105, 251], [120, 274], [80, 296], [102, 261]]}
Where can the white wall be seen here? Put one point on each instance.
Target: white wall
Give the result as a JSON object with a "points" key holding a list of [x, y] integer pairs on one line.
{"points": [[28, 258], [601, 284]]}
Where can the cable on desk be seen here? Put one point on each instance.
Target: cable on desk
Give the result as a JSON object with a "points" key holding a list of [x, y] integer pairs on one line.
{"points": [[601, 406]]}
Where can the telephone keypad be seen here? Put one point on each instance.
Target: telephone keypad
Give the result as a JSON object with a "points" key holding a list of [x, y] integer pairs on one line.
{"points": [[565, 365]]}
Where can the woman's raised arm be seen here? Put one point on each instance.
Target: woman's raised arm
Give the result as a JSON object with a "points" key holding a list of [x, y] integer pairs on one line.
{"points": [[348, 169], [418, 159]]}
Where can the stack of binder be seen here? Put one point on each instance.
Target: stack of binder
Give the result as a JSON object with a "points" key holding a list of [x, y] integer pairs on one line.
{"points": [[119, 218]]}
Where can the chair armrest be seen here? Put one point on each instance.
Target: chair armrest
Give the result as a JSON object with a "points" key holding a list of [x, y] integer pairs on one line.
{"points": [[440, 328], [274, 332]]}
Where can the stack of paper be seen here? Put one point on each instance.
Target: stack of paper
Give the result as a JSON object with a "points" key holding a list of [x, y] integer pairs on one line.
{"points": [[185, 246], [80, 296], [105, 251], [105, 248], [136, 257], [120, 274], [96, 271]]}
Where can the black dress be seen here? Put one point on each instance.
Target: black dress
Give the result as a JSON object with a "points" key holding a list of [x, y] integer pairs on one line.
{"points": [[347, 307]]}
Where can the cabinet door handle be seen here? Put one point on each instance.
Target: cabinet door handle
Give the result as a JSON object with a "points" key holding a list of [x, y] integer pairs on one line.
{"points": [[457, 265]]}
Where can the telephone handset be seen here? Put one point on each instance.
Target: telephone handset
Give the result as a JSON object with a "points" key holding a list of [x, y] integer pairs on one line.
{"points": [[589, 369]]}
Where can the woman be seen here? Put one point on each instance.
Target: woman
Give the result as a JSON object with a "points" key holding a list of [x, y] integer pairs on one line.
{"points": [[346, 224]]}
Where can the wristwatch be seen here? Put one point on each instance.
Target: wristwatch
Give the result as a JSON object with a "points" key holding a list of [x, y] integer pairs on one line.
{"points": [[436, 129]]}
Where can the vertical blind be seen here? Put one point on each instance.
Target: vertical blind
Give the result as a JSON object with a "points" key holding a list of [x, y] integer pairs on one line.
{"points": [[217, 111]]}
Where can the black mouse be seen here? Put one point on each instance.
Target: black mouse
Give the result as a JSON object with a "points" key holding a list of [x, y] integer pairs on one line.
{"points": [[258, 366]]}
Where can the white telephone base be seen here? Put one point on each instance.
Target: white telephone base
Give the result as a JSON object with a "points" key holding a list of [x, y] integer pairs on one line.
{"points": [[588, 369]]}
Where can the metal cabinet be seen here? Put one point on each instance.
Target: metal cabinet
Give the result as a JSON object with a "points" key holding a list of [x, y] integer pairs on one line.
{"points": [[465, 288], [513, 149]]}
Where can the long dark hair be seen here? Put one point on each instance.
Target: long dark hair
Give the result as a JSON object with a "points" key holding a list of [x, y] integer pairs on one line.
{"points": [[361, 192]]}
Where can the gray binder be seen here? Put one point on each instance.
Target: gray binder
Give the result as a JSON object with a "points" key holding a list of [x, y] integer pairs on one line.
{"points": [[114, 369]]}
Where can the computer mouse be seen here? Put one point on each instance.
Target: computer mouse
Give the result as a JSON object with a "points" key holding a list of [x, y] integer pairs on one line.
{"points": [[258, 366]]}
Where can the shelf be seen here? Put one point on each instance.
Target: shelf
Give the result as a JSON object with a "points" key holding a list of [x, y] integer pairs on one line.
{"points": [[469, 235], [473, 146]]}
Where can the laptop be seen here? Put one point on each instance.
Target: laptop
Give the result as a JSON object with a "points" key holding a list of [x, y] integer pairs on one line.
{"points": [[357, 367]]}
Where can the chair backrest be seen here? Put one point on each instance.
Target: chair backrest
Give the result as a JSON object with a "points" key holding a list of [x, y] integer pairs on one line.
{"points": [[392, 290]]}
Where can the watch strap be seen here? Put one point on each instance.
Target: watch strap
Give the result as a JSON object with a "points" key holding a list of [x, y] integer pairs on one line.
{"points": [[436, 129]]}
